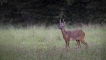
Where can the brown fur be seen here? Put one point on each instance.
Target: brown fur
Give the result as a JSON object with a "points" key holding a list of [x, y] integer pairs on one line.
{"points": [[77, 35]]}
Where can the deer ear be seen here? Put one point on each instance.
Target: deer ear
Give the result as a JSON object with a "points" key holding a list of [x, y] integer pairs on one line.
{"points": [[64, 22]]}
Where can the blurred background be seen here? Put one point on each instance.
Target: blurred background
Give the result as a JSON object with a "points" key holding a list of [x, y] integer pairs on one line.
{"points": [[29, 29], [48, 12]]}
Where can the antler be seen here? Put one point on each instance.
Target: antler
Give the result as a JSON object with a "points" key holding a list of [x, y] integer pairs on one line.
{"points": [[60, 20], [63, 19]]}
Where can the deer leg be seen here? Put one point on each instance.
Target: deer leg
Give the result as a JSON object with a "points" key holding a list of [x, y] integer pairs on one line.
{"points": [[78, 43], [67, 44], [84, 43]]}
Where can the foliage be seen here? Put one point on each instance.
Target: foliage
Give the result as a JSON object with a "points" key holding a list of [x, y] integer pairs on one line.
{"points": [[50, 11]]}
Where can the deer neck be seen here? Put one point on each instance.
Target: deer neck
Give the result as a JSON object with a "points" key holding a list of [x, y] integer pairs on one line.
{"points": [[63, 31]]}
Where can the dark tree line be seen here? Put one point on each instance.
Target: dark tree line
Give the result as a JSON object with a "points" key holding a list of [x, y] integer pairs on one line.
{"points": [[50, 11]]}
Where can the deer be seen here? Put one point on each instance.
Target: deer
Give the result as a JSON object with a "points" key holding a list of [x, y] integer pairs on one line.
{"points": [[77, 35]]}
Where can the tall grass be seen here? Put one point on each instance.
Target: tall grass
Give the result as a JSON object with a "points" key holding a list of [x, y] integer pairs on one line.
{"points": [[46, 43]]}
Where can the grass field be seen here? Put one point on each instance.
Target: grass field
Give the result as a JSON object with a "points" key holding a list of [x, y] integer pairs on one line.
{"points": [[46, 43]]}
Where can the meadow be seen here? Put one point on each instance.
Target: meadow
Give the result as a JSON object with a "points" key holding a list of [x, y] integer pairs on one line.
{"points": [[47, 43]]}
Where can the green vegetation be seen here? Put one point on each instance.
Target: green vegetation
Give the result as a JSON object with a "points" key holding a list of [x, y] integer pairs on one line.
{"points": [[46, 43]]}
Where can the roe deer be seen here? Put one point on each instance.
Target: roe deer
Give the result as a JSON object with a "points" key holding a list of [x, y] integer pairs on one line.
{"points": [[77, 35]]}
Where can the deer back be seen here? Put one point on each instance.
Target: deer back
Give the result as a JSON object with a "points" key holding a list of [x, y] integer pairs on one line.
{"points": [[74, 35]]}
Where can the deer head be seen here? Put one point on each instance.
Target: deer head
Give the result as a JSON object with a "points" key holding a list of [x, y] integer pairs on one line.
{"points": [[62, 24]]}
